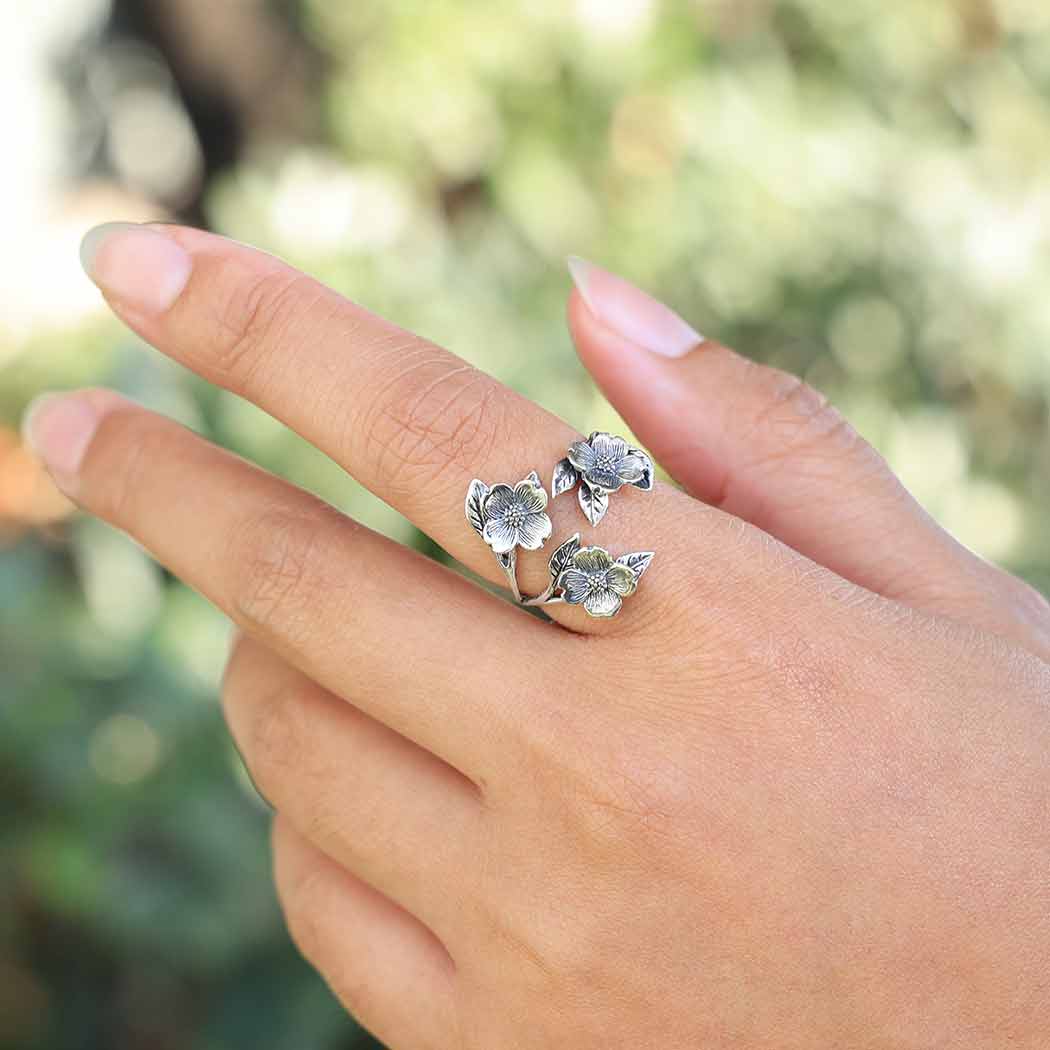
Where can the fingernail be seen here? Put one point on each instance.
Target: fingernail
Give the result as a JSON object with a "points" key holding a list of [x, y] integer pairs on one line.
{"points": [[636, 315], [141, 267], [58, 428]]}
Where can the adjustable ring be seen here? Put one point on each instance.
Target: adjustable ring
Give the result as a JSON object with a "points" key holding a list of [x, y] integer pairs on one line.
{"points": [[511, 517], [602, 464], [507, 518]]}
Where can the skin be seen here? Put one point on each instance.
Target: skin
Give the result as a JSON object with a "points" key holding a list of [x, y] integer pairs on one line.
{"points": [[794, 796]]}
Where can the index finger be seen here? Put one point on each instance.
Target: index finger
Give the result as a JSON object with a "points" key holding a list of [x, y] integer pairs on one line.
{"points": [[411, 421]]}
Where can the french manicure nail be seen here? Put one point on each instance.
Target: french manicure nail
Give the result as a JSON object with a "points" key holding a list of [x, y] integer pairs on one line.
{"points": [[635, 314], [58, 428], [137, 265]]}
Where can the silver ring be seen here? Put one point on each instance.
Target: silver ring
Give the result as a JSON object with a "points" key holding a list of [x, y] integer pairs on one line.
{"points": [[509, 517], [602, 464]]}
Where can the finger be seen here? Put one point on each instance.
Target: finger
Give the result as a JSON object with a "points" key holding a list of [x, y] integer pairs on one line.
{"points": [[378, 804], [363, 616], [764, 446], [382, 963], [410, 421]]}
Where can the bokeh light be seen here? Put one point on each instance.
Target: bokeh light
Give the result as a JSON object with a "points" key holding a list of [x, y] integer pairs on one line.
{"points": [[855, 191]]}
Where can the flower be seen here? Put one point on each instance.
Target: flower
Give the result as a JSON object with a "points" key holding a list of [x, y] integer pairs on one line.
{"points": [[514, 517], [606, 463], [592, 579]]}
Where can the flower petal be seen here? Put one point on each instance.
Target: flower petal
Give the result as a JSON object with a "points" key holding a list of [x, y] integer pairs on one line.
{"points": [[532, 497], [534, 531], [592, 559], [631, 468], [606, 480], [603, 603], [498, 501], [607, 445], [575, 585], [581, 455], [621, 580], [500, 536]]}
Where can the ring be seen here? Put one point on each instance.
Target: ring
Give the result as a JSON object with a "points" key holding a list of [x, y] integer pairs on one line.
{"points": [[508, 517], [602, 464], [591, 577]]}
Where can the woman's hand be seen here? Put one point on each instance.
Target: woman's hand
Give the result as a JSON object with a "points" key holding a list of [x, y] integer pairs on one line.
{"points": [[794, 796]]}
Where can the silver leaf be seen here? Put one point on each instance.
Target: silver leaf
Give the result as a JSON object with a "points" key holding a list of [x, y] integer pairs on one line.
{"points": [[593, 502], [565, 477], [475, 498], [563, 555], [637, 563], [645, 482]]}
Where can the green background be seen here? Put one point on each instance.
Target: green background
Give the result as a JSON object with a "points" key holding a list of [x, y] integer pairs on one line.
{"points": [[855, 191]]}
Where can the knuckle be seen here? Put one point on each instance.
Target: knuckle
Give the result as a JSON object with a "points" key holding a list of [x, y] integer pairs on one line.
{"points": [[307, 906], [279, 571], [630, 791], [253, 315], [639, 798], [274, 737], [435, 416], [801, 418], [140, 444]]}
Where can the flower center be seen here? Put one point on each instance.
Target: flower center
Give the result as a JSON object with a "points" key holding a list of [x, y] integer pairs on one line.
{"points": [[604, 463], [595, 582], [516, 515]]}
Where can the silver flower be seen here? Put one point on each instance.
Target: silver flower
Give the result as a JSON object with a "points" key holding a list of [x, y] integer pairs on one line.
{"points": [[592, 579], [605, 462], [515, 517], [601, 464]]}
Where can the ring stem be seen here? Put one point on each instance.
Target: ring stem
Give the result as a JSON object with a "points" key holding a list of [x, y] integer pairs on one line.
{"points": [[511, 569], [546, 598]]}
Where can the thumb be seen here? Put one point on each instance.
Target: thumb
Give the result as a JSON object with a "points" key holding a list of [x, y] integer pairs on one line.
{"points": [[762, 445]]}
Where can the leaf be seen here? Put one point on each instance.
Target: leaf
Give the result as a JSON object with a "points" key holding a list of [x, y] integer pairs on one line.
{"points": [[594, 502], [563, 555], [645, 482], [506, 560], [637, 563], [565, 477], [474, 506], [534, 478]]}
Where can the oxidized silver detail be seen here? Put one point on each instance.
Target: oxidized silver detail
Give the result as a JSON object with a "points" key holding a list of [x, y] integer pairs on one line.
{"points": [[602, 464], [589, 576], [508, 517]]}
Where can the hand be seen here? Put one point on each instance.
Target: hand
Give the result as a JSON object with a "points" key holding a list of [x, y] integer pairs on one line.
{"points": [[794, 796]]}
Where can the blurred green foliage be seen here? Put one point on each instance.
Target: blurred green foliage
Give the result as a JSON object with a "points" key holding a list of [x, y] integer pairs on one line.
{"points": [[854, 191]]}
